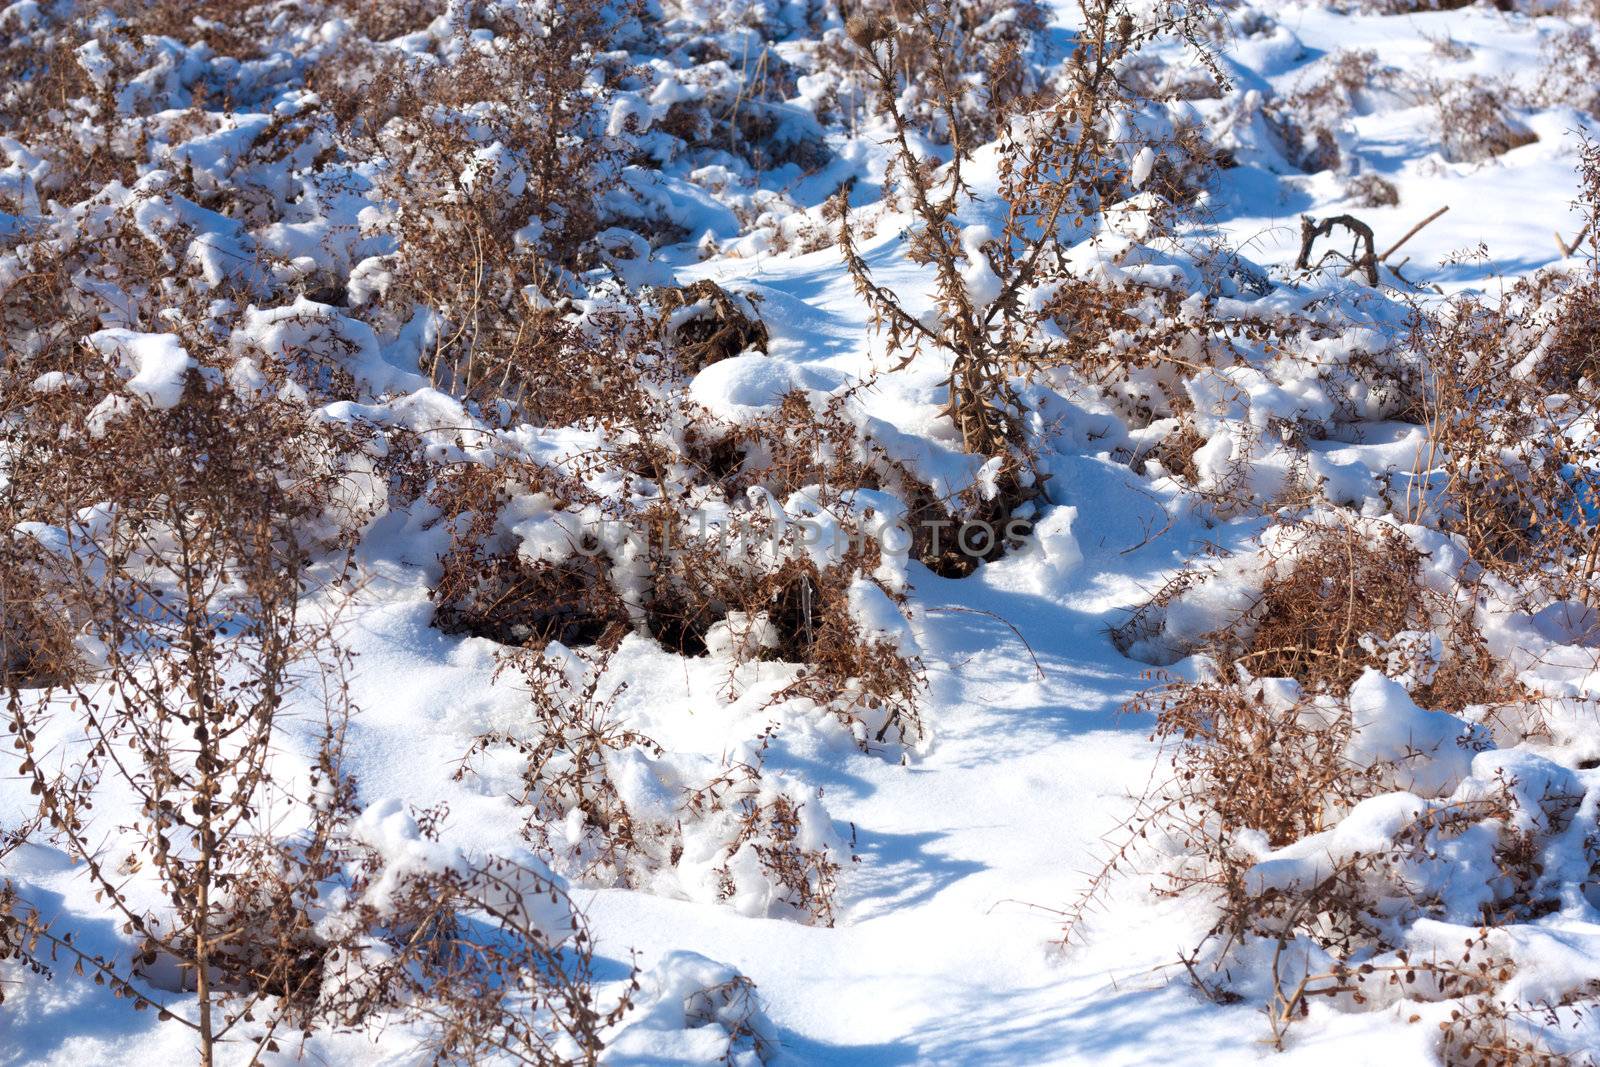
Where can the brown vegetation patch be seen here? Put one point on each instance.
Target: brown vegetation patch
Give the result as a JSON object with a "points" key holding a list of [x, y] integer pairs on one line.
{"points": [[705, 324]]}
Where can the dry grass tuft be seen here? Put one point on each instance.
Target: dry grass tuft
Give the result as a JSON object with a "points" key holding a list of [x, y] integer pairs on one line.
{"points": [[703, 323]]}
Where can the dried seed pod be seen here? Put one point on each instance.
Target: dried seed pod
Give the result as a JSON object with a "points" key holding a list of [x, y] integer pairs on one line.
{"points": [[867, 30]]}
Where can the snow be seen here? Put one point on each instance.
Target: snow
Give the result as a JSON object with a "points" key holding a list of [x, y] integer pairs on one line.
{"points": [[689, 1007], [158, 363], [956, 853], [1431, 751], [744, 387]]}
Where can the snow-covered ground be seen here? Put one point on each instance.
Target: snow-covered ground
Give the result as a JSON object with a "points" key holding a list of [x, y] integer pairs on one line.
{"points": [[961, 852]]}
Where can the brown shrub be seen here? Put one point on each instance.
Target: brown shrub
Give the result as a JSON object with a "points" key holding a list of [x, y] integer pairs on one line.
{"points": [[1058, 165], [1175, 452], [1485, 1031], [703, 323], [1309, 622], [384, 20], [1333, 607], [1514, 476], [1475, 124], [36, 636], [496, 165], [1255, 765], [173, 536], [1247, 761], [1304, 119], [564, 750], [961, 74], [467, 952], [566, 753], [1372, 190], [488, 589], [806, 878], [683, 579], [51, 103], [801, 610], [188, 584]]}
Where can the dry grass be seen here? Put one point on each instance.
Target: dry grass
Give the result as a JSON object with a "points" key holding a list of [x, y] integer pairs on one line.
{"points": [[1249, 763], [1336, 598], [1330, 613], [566, 753], [960, 74], [1514, 478], [1057, 167], [703, 324], [168, 587]]}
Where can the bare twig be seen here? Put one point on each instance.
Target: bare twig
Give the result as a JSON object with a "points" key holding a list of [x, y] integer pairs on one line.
{"points": [[1001, 619], [1569, 249], [1409, 234]]}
